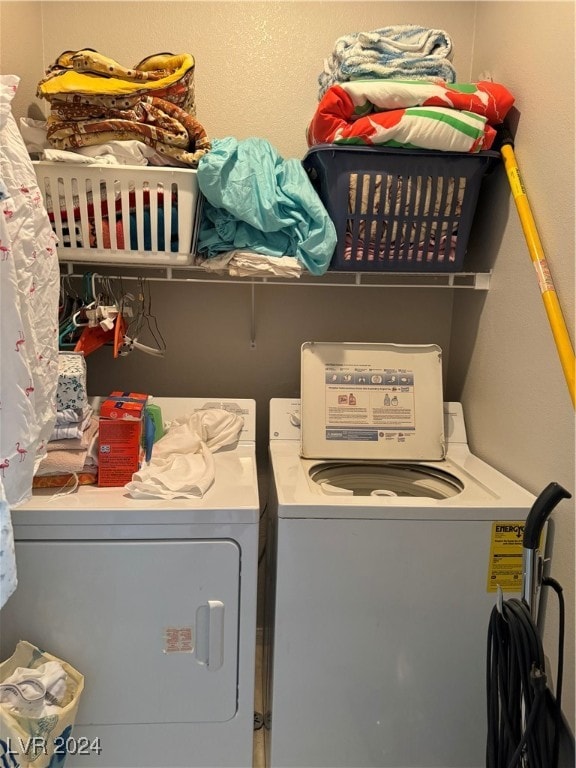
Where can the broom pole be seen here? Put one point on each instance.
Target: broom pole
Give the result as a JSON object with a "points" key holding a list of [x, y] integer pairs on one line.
{"points": [[547, 289]]}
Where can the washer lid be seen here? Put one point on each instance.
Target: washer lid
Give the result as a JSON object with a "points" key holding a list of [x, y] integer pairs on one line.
{"points": [[371, 401]]}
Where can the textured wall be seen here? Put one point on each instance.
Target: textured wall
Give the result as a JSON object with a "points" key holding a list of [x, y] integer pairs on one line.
{"points": [[256, 62], [21, 53]]}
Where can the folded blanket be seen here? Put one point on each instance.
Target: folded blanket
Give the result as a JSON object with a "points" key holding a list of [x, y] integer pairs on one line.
{"points": [[435, 128], [158, 123], [411, 115], [402, 51], [95, 100], [100, 155], [63, 462], [112, 153], [492, 100], [86, 77]]}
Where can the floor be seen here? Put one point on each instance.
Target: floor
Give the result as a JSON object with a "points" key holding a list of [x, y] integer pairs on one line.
{"points": [[258, 759]]}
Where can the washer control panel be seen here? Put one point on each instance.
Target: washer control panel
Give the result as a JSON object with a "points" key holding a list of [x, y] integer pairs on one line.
{"points": [[284, 419]]}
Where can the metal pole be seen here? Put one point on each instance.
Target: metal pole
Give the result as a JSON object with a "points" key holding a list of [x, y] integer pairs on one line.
{"points": [[549, 295]]}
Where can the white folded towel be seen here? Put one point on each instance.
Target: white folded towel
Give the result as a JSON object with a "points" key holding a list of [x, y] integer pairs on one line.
{"points": [[242, 263], [182, 465]]}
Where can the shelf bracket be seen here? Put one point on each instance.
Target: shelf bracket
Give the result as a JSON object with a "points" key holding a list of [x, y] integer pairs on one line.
{"points": [[482, 281], [252, 315]]}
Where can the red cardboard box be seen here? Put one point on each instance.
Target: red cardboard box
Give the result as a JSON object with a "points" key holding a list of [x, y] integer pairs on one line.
{"points": [[123, 405], [119, 436]]}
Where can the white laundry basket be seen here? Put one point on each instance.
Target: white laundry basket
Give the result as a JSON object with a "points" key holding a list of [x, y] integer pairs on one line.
{"points": [[121, 214]]}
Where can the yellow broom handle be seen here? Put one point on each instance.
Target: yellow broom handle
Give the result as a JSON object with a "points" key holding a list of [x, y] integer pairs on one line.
{"points": [[549, 295]]}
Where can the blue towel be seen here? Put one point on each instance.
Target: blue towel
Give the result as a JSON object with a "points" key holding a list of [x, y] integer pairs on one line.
{"points": [[147, 227], [256, 200], [401, 52]]}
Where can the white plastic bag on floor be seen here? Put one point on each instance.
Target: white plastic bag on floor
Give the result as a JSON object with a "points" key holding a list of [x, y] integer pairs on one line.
{"points": [[35, 727]]}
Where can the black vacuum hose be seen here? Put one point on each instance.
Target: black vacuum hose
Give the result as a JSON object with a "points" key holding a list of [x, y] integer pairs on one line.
{"points": [[524, 718], [518, 732], [541, 509]]}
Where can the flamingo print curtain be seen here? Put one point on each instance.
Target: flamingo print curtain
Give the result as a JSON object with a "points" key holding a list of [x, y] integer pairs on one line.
{"points": [[29, 293]]}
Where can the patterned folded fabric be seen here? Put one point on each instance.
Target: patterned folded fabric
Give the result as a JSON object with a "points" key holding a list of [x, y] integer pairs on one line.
{"points": [[484, 97], [413, 115], [87, 77], [95, 100], [161, 125], [71, 392]]}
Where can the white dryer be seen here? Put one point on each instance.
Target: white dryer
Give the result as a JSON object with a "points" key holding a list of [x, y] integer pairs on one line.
{"points": [[154, 602], [385, 546]]}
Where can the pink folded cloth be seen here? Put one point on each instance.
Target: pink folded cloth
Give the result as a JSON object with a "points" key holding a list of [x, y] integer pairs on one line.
{"points": [[57, 462]]}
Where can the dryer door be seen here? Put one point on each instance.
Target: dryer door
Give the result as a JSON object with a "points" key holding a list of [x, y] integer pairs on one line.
{"points": [[152, 625]]}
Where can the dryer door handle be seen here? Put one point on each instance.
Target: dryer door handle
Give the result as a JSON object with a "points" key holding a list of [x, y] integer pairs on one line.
{"points": [[210, 634]]}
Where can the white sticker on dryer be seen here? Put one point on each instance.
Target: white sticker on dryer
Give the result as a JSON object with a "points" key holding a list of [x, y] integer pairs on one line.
{"points": [[178, 640]]}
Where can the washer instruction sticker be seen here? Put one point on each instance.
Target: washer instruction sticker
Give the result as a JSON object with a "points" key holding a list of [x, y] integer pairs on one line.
{"points": [[364, 403], [505, 568]]}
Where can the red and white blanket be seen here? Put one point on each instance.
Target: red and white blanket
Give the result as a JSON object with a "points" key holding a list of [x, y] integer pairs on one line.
{"points": [[411, 114]]}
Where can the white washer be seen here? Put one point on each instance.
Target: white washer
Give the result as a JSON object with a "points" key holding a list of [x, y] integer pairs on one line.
{"points": [[155, 603], [378, 605]]}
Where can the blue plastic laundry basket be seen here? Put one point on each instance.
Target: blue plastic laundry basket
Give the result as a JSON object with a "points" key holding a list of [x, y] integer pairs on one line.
{"points": [[398, 210]]}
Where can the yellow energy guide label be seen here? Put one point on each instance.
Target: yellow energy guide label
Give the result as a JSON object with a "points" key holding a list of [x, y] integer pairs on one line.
{"points": [[505, 567]]}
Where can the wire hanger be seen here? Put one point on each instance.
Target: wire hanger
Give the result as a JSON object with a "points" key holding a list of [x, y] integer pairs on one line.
{"points": [[144, 321]]}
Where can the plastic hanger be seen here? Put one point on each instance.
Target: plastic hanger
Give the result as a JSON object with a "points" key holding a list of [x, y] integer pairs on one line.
{"points": [[93, 338], [70, 304], [119, 334]]}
